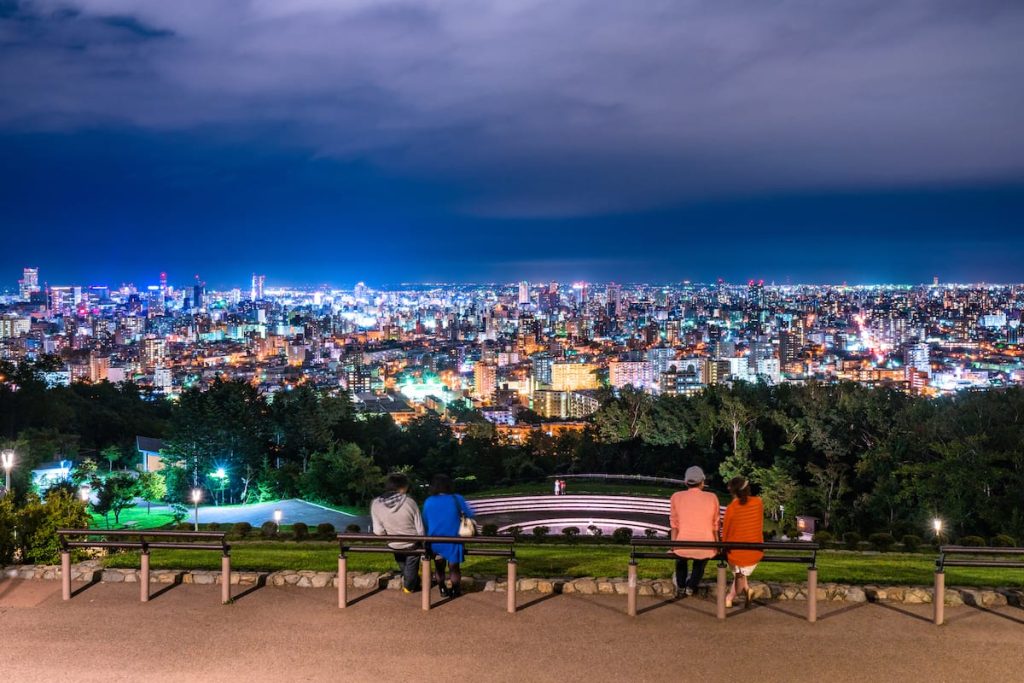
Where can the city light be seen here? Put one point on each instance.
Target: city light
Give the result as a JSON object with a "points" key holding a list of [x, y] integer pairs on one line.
{"points": [[7, 457]]}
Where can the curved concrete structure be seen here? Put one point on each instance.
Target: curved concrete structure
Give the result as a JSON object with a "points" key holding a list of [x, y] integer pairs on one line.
{"points": [[558, 512]]}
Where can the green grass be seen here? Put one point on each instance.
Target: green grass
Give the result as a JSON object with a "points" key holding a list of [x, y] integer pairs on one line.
{"points": [[136, 514], [581, 560]]}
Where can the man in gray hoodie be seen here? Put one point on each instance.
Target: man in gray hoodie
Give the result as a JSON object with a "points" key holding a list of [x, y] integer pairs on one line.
{"points": [[395, 513]]}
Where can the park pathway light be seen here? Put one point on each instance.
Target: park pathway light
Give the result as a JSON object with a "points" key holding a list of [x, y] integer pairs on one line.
{"points": [[197, 495], [8, 462]]}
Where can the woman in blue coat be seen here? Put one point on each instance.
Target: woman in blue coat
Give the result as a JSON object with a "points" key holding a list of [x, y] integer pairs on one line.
{"points": [[442, 513]]}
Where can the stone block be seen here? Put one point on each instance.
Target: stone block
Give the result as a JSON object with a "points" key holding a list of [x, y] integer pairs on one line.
{"points": [[855, 594], [203, 578]]}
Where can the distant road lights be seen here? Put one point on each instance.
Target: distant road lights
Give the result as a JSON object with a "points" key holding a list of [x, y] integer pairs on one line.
{"points": [[277, 520], [8, 460], [197, 495]]}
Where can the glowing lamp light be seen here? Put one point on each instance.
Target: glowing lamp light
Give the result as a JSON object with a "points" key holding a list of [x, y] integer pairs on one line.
{"points": [[197, 495], [937, 525], [84, 493], [7, 457], [277, 516]]}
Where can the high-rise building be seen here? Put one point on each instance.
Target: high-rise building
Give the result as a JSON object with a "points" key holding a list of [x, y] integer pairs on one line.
{"points": [[524, 293], [154, 350], [613, 294], [567, 376], [257, 287], [29, 283], [629, 373], [917, 357], [485, 380]]}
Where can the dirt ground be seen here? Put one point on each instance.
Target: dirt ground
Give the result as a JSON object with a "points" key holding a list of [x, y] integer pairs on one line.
{"points": [[277, 634]]}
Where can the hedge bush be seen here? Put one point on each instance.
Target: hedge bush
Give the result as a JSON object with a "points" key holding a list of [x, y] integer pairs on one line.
{"points": [[622, 535], [352, 529], [489, 530], [540, 532], [882, 541], [212, 526], [571, 532], [823, 537], [325, 531], [241, 529], [515, 532], [973, 541], [650, 533], [300, 531], [851, 540], [1003, 541], [911, 543], [268, 529]]}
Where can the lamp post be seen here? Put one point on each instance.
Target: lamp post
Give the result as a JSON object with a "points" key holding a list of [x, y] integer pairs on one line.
{"points": [[197, 495], [937, 526], [8, 461], [84, 494], [277, 520]]}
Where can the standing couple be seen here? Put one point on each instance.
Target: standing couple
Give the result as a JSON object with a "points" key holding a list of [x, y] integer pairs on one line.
{"points": [[395, 513], [694, 516]]}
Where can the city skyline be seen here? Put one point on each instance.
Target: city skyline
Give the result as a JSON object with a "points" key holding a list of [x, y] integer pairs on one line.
{"points": [[477, 142]]}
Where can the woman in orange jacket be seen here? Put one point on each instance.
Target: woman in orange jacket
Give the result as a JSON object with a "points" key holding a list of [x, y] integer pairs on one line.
{"points": [[744, 523]]}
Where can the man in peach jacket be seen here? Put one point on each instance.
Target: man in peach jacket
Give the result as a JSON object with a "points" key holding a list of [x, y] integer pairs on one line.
{"points": [[693, 516]]}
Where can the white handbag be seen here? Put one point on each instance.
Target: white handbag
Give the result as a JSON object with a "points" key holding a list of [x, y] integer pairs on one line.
{"points": [[467, 528]]}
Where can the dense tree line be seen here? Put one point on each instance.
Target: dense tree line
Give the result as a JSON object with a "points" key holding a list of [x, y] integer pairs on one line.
{"points": [[859, 459]]}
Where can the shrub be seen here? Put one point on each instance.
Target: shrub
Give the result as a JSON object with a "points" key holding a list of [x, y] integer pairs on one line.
{"points": [[650, 533], [571, 532], [184, 526], [350, 529], [489, 530], [300, 531], [823, 537], [515, 532], [178, 512], [973, 541], [851, 540], [622, 535], [212, 526], [911, 543], [268, 529], [1003, 541], [539, 532], [325, 531], [882, 541], [39, 521], [241, 529], [595, 531]]}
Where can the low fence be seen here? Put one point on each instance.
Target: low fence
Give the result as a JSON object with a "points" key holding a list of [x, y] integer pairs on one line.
{"points": [[961, 556], [371, 543], [721, 548], [144, 541]]}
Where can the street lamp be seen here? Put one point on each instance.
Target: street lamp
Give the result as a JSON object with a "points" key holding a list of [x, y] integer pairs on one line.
{"points": [[221, 475], [197, 495], [937, 526], [8, 460], [277, 520], [84, 494]]}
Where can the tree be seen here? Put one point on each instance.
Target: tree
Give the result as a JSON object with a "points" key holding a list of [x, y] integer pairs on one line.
{"points": [[152, 487], [342, 475], [111, 454], [115, 494], [778, 488]]}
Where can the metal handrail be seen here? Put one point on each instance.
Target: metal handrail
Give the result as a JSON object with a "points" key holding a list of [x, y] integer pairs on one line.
{"points": [[938, 596], [346, 545], [145, 545], [721, 549]]}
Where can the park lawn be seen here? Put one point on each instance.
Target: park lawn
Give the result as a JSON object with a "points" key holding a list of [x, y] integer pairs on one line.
{"points": [[580, 560], [136, 514]]}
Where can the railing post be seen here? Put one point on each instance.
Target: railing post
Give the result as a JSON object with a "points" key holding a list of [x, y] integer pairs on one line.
{"points": [[225, 579], [631, 589], [144, 577], [812, 594], [511, 606], [65, 574], [342, 581], [939, 598], [720, 592], [425, 580]]}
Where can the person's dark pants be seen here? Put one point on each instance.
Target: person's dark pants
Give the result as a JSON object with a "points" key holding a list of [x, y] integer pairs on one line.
{"points": [[691, 581], [410, 566]]}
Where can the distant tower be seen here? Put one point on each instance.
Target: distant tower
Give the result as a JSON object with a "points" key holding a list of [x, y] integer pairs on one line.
{"points": [[524, 293], [257, 287], [29, 283], [935, 281]]}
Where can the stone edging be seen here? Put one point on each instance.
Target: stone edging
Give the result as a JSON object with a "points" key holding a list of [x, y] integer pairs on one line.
{"points": [[92, 570]]}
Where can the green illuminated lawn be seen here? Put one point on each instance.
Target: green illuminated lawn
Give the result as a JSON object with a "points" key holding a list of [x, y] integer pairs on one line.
{"points": [[138, 514], [581, 560]]}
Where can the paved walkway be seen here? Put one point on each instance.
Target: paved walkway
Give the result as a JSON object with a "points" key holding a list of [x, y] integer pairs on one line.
{"points": [[279, 634], [292, 510]]}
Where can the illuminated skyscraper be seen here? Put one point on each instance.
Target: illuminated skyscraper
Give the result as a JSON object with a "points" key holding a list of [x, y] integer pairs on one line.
{"points": [[485, 380], [614, 300], [257, 287], [29, 283], [524, 293]]}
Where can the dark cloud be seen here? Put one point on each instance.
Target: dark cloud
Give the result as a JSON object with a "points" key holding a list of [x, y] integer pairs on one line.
{"points": [[539, 108]]}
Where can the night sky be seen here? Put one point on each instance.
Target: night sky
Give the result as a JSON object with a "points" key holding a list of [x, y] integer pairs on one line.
{"points": [[330, 141]]}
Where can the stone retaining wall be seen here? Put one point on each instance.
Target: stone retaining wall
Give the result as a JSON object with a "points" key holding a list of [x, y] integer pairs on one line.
{"points": [[92, 570]]}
